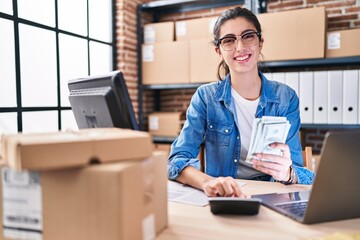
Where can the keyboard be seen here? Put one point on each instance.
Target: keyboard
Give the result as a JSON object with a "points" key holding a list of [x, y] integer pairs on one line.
{"points": [[296, 208]]}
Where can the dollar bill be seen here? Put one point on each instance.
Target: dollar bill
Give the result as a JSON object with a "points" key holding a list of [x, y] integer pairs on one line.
{"points": [[265, 131]]}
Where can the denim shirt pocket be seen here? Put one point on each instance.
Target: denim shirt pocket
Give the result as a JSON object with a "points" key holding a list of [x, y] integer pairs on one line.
{"points": [[218, 134]]}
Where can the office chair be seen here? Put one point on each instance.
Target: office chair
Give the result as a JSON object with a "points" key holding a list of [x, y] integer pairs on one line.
{"points": [[308, 158]]}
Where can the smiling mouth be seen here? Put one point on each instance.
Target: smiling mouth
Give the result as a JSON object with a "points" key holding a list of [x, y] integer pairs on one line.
{"points": [[242, 58]]}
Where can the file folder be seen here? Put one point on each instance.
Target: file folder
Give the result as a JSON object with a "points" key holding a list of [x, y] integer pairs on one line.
{"points": [[335, 97], [292, 80], [350, 96], [320, 97], [306, 97]]}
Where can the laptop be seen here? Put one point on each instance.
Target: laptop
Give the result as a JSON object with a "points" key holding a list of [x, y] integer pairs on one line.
{"points": [[335, 193]]}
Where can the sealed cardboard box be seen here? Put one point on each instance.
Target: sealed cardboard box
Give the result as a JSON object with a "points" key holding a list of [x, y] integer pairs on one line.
{"points": [[166, 147], [204, 61], [113, 201], [198, 28], [162, 147], [343, 43], [165, 123], [295, 34], [159, 32], [40, 151], [166, 63]]}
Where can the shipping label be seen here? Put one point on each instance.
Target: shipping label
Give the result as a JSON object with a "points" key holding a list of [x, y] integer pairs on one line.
{"points": [[22, 204]]}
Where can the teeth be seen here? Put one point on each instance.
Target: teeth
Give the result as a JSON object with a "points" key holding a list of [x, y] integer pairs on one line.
{"points": [[242, 58]]}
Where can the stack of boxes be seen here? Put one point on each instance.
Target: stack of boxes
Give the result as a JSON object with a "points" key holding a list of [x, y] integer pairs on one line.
{"points": [[183, 52], [91, 184], [164, 61], [177, 53], [203, 58], [185, 55]]}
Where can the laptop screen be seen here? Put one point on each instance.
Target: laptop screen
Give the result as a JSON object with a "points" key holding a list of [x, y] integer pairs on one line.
{"points": [[335, 194]]}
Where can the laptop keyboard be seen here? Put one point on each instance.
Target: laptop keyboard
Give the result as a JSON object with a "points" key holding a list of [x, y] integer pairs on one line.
{"points": [[296, 208]]}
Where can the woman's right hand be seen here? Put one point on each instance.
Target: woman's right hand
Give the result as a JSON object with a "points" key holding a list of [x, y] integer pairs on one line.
{"points": [[222, 187]]}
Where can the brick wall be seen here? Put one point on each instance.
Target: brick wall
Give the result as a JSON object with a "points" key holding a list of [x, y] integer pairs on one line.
{"points": [[126, 44], [342, 14]]}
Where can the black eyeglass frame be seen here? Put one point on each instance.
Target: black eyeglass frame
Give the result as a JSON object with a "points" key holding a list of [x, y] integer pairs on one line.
{"points": [[219, 40]]}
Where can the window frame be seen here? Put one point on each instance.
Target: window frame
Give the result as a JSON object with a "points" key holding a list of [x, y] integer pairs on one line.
{"points": [[19, 109]]}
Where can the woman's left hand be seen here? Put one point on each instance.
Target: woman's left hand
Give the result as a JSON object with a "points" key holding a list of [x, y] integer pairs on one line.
{"points": [[276, 166]]}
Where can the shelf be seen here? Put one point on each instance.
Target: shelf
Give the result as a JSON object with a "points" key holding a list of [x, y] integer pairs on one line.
{"points": [[322, 62], [330, 126], [163, 139], [160, 139], [162, 7], [179, 6], [172, 86]]}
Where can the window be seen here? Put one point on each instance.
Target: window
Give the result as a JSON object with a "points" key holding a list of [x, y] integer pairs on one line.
{"points": [[44, 44]]}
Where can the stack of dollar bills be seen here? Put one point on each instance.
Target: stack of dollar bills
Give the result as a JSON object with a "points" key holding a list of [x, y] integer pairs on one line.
{"points": [[267, 130]]}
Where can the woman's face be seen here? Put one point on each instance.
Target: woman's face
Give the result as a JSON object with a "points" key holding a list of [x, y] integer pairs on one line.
{"points": [[240, 46]]}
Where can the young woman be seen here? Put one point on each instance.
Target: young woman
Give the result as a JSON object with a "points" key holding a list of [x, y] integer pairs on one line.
{"points": [[220, 115]]}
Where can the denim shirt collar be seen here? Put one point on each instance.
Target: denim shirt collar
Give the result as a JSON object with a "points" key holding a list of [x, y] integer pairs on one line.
{"points": [[268, 95]]}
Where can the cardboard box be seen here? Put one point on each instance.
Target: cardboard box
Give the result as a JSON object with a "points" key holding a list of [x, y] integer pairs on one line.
{"points": [[204, 61], [165, 147], [159, 32], [198, 28], [165, 123], [293, 35], [166, 63], [113, 201], [343, 43], [43, 151], [316, 162]]}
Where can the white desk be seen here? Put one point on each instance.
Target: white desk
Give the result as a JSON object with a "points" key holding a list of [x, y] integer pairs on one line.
{"points": [[192, 222]]}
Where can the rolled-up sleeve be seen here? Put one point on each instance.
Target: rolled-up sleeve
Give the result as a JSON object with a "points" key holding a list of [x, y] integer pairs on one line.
{"points": [[186, 147]]}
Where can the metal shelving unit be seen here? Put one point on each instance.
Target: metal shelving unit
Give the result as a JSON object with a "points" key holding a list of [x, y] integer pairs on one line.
{"points": [[330, 126], [172, 86], [169, 140], [307, 63], [164, 7]]}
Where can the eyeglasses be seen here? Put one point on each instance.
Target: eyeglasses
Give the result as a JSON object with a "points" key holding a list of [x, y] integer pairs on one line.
{"points": [[229, 43]]}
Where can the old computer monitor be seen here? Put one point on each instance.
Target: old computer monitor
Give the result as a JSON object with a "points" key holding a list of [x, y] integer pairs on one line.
{"points": [[102, 101]]}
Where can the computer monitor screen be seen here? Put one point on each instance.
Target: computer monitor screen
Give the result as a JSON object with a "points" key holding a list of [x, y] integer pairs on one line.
{"points": [[102, 101]]}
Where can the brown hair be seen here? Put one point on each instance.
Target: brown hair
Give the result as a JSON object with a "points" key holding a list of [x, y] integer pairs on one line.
{"points": [[225, 16]]}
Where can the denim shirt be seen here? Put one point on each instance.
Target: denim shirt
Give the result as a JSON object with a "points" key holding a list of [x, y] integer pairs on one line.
{"points": [[211, 120]]}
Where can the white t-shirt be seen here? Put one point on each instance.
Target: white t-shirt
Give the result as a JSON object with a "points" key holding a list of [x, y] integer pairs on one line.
{"points": [[245, 111]]}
